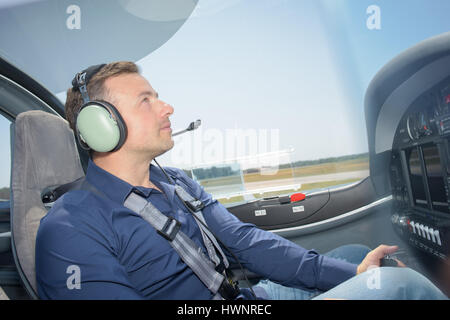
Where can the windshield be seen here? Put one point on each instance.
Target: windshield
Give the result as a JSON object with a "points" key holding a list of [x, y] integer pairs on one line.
{"points": [[278, 84]]}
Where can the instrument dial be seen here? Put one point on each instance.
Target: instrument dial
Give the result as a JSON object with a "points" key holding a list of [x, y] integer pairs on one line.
{"points": [[412, 126], [424, 126]]}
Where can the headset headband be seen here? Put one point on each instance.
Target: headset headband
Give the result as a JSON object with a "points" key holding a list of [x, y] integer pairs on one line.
{"points": [[81, 80]]}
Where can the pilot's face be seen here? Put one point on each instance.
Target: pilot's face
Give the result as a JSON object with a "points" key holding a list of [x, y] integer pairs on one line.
{"points": [[146, 116]]}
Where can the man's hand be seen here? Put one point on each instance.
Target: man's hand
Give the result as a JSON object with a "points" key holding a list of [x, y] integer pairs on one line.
{"points": [[374, 256]]}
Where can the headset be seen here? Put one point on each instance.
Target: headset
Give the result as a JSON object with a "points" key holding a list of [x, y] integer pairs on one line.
{"points": [[98, 124]]}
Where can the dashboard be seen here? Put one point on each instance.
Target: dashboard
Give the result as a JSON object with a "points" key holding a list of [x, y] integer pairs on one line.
{"points": [[420, 172]]}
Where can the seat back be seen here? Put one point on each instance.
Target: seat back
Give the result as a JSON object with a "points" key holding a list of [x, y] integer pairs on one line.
{"points": [[44, 155]]}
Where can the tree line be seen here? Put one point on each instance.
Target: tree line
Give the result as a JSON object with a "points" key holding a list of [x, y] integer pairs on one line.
{"points": [[304, 163]]}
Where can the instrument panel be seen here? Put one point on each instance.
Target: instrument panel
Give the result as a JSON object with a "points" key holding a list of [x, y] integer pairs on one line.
{"points": [[420, 172], [430, 115]]}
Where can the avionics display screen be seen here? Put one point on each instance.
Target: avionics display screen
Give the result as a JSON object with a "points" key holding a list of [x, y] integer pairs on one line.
{"points": [[416, 177], [435, 177]]}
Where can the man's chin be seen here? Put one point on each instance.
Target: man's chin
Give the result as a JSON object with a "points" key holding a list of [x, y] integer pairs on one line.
{"points": [[168, 146]]}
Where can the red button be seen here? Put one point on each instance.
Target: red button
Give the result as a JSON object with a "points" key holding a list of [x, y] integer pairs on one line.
{"points": [[297, 197]]}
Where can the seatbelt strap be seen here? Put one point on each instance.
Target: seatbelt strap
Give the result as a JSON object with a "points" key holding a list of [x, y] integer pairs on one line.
{"points": [[189, 252], [49, 196], [209, 240]]}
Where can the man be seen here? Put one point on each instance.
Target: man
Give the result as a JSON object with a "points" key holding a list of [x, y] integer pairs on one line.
{"points": [[90, 246]]}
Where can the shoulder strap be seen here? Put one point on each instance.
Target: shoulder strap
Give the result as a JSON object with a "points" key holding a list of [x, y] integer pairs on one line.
{"points": [[208, 238], [189, 252], [50, 195]]}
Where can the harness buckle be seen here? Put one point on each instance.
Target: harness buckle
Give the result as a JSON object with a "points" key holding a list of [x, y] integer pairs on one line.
{"points": [[229, 289], [195, 205], [170, 228]]}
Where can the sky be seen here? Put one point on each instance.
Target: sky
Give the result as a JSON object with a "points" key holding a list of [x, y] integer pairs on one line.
{"points": [[270, 75]]}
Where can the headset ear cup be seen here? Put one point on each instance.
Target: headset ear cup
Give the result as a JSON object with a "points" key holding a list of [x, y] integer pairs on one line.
{"points": [[81, 141], [78, 136], [98, 128], [120, 123]]}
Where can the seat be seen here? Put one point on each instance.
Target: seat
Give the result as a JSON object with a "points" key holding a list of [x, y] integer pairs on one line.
{"points": [[44, 155]]}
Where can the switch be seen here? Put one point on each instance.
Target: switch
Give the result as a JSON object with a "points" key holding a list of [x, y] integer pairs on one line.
{"points": [[426, 232], [438, 238], [422, 231], [431, 232], [413, 225]]}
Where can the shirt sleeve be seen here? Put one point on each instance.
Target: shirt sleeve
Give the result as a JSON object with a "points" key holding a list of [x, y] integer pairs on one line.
{"points": [[268, 254], [76, 260]]}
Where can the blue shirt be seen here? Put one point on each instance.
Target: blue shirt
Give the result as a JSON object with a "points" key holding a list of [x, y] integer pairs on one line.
{"points": [[113, 253]]}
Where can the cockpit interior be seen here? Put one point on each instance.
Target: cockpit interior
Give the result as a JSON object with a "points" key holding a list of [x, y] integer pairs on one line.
{"points": [[403, 199]]}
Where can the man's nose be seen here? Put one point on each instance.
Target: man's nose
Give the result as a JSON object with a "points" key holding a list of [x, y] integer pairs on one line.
{"points": [[167, 108]]}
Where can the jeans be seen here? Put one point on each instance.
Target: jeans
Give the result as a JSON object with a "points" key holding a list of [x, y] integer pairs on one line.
{"points": [[385, 283]]}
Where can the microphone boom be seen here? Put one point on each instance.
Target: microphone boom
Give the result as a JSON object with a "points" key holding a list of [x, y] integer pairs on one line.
{"points": [[192, 126]]}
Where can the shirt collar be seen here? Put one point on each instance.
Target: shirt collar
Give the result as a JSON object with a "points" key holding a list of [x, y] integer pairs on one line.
{"points": [[118, 190], [160, 180]]}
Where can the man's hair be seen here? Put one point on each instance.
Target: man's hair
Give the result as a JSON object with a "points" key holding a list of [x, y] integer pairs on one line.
{"points": [[96, 88]]}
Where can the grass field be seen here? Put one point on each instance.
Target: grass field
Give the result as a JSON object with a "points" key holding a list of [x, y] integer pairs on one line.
{"points": [[221, 181], [317, 169]]}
